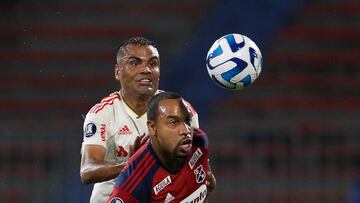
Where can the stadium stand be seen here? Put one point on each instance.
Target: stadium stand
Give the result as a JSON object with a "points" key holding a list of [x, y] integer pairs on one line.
{"points": [[56, 60], [290, 137]]}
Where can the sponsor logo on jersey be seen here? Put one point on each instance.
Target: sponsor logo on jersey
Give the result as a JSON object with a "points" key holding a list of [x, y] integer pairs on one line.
{"points": [[200, 174], [162, 185], [122, 152], [168, 198], [195, 157], [198, 196], [90, 130], [102, 132], [124, 130], [116, 200]]}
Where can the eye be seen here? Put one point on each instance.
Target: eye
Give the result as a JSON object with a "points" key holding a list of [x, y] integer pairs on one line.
{"points": [[172, 121], [153, 63], [188, 120], [134, 62]]}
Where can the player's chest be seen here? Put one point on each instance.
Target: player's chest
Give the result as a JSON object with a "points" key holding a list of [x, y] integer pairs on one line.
{"points": [[124, 133], [188, 184]]}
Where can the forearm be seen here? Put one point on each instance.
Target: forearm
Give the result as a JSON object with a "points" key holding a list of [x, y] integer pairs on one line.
{"points": [[99, 172]]}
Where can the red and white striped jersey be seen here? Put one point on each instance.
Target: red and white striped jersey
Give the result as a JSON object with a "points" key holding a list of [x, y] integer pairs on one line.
{"points": [[113, 125]]}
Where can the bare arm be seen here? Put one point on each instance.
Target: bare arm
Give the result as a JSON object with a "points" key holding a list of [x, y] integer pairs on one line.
{"points": [[211, 182], [94, 169]]}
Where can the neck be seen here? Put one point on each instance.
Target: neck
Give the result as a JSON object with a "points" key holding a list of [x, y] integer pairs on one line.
{"points": [[136, 103], [174, 164], [168, 160]]}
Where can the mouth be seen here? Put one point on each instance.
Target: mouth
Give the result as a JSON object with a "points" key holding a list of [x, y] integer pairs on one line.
{"points": [[185, 146], [185, 141], [144, 81]]}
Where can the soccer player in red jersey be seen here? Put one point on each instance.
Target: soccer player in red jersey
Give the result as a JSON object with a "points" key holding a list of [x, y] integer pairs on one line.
{"points": [[172, 166]]}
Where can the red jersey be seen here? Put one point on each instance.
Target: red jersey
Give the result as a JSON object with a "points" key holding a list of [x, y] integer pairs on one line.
{"points": [[145, 179]]}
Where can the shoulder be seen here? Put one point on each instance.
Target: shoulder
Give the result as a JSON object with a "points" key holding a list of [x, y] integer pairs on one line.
{"points": [[159, 91], [200, 138], [101, 112], [104, 103], [98, 120], [137, 176]]}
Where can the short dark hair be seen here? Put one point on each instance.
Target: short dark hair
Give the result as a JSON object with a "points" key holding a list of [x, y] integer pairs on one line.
{"points": [[153, 106], [141, 41]]}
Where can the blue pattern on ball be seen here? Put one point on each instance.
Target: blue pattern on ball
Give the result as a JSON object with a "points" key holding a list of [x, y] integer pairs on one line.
{"points": [[240, 66], [246, 80], [234, 73], [253, 55], [217, 52], [220, 84], [233, 45]]}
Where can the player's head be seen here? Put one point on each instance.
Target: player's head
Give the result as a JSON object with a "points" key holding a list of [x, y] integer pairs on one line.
{"points": [[138, 66], [169, 123]]}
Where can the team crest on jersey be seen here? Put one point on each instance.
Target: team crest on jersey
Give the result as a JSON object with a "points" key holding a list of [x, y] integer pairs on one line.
{"points": [[195, 157], [162, 185], [90, 130], [116, 200], [200, 174]]}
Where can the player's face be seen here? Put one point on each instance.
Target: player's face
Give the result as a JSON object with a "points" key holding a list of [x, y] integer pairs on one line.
{"points": [[173, 128], [138, 70]]}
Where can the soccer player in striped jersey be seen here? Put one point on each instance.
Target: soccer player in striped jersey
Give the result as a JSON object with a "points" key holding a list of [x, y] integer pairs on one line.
{"points": [[172, 166], [116, 127]]}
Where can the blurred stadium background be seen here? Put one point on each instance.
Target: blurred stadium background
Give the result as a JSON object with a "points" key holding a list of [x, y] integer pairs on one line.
{"points": [[290, 137]]}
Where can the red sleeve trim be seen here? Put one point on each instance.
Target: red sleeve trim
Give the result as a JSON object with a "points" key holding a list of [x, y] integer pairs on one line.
{"points": [[105, 101]]}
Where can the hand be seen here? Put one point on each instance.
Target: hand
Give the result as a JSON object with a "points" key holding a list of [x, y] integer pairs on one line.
{"points": [[211, 180], [139, 141]]}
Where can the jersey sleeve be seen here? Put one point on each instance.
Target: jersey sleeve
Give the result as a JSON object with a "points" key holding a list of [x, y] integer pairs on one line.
{"points": [[119, 195], [95, 129], [136, 178], [200, 138]]}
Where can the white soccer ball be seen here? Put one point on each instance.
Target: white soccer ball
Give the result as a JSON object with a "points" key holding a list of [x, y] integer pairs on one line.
{"points": [[234, 61]]}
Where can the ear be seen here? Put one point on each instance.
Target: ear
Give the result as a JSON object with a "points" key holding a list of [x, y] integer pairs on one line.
{"points": [[117, 72], [152, 128]]}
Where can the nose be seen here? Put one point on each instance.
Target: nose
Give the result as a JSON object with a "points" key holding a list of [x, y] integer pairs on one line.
{"points": [[145, 69], [185, 130]]}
